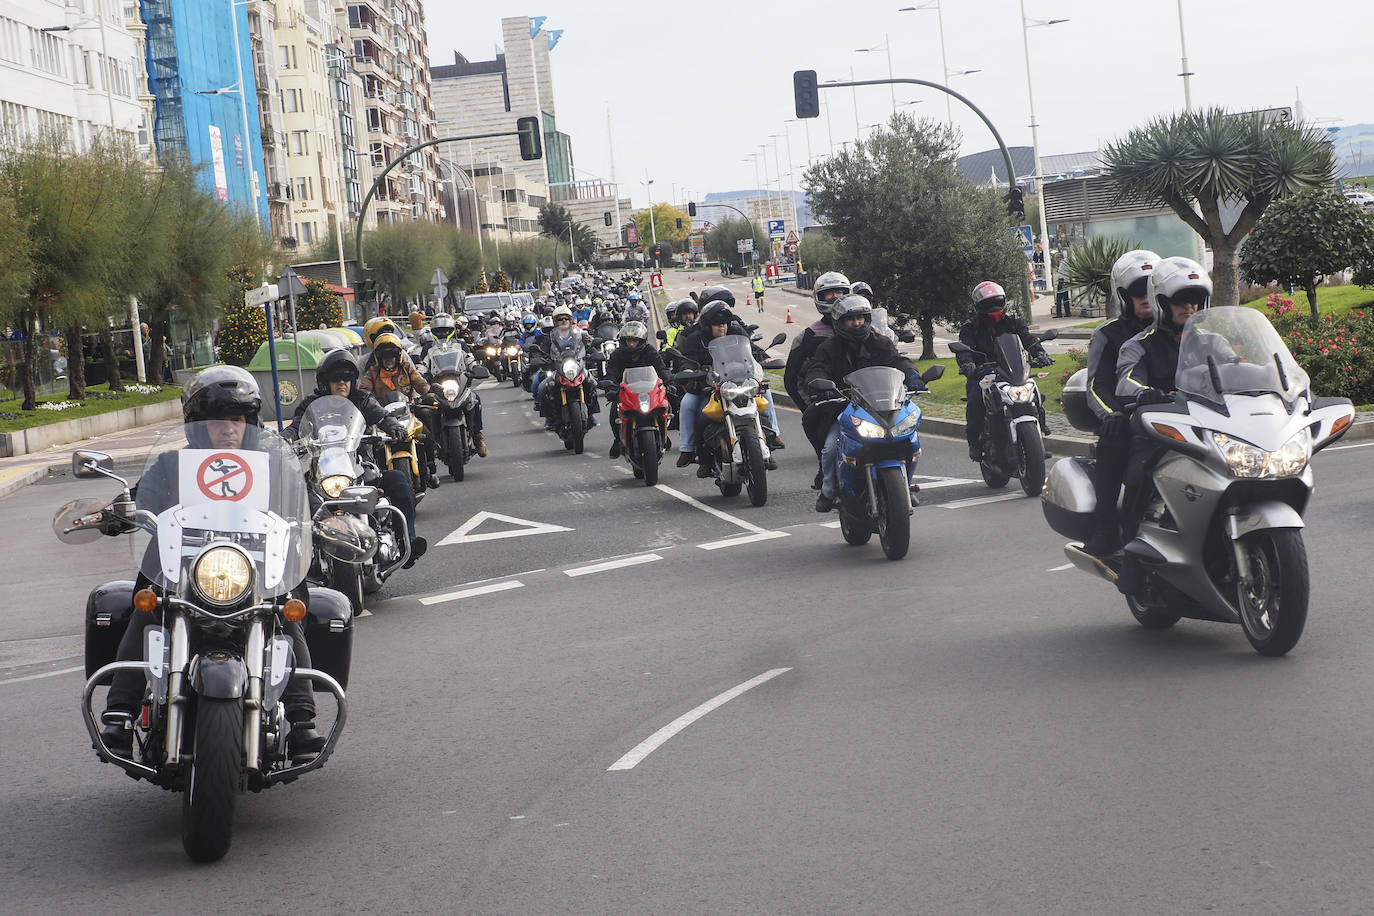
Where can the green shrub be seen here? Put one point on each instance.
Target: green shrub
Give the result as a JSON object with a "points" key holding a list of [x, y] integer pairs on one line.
{"points": [[1336, 351]]}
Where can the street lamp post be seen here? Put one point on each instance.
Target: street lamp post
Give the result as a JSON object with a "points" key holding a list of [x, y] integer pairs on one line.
{"points": [[806, 125], [885, 46], [944, 62], [1186, 74], [1026, 26]]}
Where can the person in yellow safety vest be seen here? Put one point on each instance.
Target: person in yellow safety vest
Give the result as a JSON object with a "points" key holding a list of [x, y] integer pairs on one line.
{"points": [[759, 287], [676, 311]]}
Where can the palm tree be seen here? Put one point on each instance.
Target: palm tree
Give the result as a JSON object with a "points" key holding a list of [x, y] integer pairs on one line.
{"points": [[1197, 162], [1089, 266]]}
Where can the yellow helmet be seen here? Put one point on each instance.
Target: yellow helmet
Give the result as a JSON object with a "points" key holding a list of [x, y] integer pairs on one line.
{"points": [[387, 339], [376, 327]]}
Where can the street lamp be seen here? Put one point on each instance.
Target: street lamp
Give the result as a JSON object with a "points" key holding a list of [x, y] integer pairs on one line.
{"points": [[1026, 26], [1186, 74], [885, 46], [806, 125], [944, 61], [648, 193]]}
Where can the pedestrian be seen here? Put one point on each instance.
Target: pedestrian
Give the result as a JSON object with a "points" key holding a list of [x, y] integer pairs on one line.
{"points": [[1062, 308]]}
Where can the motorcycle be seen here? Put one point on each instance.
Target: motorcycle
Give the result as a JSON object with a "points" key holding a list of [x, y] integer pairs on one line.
{"points": [[564, 396], [733, 434], [514, 358], [1216, 527], [451, 372], [642, 406], [492, 352], [404, 454], [1013, 428], [879, 449], [217, 569]]}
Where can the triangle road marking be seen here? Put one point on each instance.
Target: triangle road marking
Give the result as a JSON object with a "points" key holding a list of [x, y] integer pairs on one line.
{"points": [[464, 533]]}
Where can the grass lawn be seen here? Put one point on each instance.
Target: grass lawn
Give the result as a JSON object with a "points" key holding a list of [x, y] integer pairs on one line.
{"points": [[1331, 300], [12, 418], [945, 393]]}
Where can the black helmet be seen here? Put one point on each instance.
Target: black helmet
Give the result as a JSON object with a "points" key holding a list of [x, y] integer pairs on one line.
{"points": [[849, 307], [717, 312], [686, 307], [219, 392], [337, 366], [716, 294]]}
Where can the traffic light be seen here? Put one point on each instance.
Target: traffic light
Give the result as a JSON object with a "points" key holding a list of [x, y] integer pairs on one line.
{"points": [[806, 93], [365, 289], [606, 217], [691, 208], [1016, 203], [531, 144], [679, 222]]}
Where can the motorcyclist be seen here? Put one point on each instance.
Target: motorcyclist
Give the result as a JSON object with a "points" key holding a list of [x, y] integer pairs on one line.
{"points": [[634, 351], [443, 330], [563, 336], [854, 345], [529, 332], [1177, 288], [220, 408], [717, 320], [829, 288], [685, 316], [391, 370], [1129, 278], [979, 333]]}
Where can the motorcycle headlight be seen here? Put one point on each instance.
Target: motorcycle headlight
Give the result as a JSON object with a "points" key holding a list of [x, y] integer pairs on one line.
{"points": [[907, 424], [1021, 394], [512, 351], [1246, 460], [334, 484], [739, 392], [868, 429], [491, 351], [222, 575], [569, 368], [643, 404], [450, 388]]}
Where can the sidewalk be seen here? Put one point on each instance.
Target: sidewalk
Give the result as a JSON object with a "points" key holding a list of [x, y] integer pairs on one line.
{"points": [[133, 443]]}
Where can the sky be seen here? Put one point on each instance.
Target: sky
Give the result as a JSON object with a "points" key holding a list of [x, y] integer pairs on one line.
{"points": [[693, 88]]}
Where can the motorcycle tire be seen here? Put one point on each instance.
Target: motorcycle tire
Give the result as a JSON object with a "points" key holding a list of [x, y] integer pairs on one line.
{"points": [[576, 434], [856, 530], [457, 448], [212, 782], [894, 513], [755, 471], [1030, 458], [372, 583], [993, 477], [1149, 616], [347, 579], [515, 380], [649, 457], [1273, 605]]}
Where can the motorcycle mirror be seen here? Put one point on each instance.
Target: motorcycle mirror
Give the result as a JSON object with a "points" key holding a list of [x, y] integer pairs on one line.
{"points": [[672, 351], [775, 364], [756, 337], [479, 372], [77, 521], [956, 347], [88, 464], [662, 335], [906, 336], [934, 372], [779, 338], [822, 384], [751, 328]]}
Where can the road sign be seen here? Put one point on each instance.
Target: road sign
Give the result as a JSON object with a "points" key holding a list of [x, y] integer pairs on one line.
{"points": [[744, 246], [1026, 234], [776, 229], [1276, 115], [224, 476], [792, 237], [656, 281], [772, 271], [792, 248], [290, 284], [260, 296]]}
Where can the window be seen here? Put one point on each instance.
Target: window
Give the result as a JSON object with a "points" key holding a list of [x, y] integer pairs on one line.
{"points": [[144, 133], [286, 55], [300, 145], [45, 52], [302, 189], [305, 233], [291, 100], [374, 119]]}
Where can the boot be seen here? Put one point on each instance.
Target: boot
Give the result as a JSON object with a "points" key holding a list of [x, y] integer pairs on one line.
{"points": [[418, 546], [303, 740], [686, 458], [615, 448], [975, 452], [824, 503], [479, 445], [117, 731]]}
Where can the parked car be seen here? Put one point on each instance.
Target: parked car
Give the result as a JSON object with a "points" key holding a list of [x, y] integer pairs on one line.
{"points": [[1363, 198]]}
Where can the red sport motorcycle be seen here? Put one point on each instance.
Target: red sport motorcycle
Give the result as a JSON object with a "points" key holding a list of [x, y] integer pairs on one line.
{"points": [[642, 412]]}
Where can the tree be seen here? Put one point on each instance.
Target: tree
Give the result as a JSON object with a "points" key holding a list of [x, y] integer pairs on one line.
{"points": [[554, 220], [818, 252], [1197, 162], [912, 226], [242, 328], [722, 242], [1300, 239], [665, 224], [403, 256], [318, 307]]}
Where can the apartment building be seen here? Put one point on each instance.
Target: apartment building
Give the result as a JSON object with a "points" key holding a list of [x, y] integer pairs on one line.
{"points": [[262, 25]]}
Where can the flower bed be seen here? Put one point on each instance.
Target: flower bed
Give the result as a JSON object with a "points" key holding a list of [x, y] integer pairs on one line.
{"points": [[1337, 351]]}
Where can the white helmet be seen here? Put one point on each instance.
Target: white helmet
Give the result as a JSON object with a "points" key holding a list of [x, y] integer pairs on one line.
{"points": [[1130, 274], [830, 287], [562, 312], [1175, 280]]}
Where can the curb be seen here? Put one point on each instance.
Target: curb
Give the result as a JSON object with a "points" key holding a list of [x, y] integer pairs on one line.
{"points": [[20, 480], [66, 432]]}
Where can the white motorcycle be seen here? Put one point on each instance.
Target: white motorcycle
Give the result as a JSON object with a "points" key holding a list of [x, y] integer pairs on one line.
{"points": [[1218, 521]]}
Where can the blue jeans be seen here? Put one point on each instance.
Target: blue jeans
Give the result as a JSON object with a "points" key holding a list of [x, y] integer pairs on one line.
{"points": [[830, 463], [690, 419], [393, 485]]}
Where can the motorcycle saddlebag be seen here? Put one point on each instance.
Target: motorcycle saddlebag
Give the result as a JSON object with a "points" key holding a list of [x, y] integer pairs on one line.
{"points": [[108, 609], [329, 633], [1069, 498], [1074, 399]]}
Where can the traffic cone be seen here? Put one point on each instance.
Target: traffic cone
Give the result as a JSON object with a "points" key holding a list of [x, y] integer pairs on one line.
{"points": [[789, 315]]}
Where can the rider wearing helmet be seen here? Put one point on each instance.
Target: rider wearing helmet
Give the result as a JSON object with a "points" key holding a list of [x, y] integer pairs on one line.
{"points": [[853, 346], [562, 335], [860, 288], [828, 289], [991, 320], [1129, 278], [634, 351], [220, 410], [677, 312]]}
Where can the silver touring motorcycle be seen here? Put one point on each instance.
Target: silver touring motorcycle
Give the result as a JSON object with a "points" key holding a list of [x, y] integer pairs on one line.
{"points": [[1217, 525], [222, 538]]}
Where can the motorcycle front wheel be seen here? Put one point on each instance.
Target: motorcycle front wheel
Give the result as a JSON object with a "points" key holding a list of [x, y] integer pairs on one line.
{"points": [[456, 448], [1030, 456], [212, 783], [647, 440], [576, 434], [347, 579], [1273, 604], [755, 471], [894, 513]]}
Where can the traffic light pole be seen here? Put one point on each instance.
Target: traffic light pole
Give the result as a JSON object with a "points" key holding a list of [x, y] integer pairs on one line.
{"points": [[752, 227], [1006, 154]]}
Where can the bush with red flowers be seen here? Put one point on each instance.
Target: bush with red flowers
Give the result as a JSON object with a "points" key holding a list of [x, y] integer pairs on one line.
{"points": [[1337, 351]]}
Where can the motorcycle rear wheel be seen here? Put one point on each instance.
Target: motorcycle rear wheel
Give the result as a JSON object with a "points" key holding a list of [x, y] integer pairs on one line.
{"points": [[457, 452], [647, 440], [894, 513], [993, 477], [1273, 607], [755, 471], [212, 783], [856, 530]]}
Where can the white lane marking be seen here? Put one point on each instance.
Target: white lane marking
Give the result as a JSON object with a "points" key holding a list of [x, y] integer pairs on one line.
{"points": [[1061, 568], [982, 500], [611, 564], [35, 677], [657, 739], [743, 539], [709, 510], [364, 613], [472, 592], [622, 469], [1341, 448], [834, 524], [463, 533], [936, 483]]}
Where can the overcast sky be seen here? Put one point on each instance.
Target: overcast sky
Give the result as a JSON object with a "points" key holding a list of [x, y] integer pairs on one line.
{"points": [[692, 93]]}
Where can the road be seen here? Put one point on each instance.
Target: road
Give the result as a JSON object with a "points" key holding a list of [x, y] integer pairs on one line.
{"points": [[972, 729]]}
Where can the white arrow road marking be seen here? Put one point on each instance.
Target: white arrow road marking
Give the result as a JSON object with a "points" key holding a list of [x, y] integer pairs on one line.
{"points": [[472, 592], [935, 483], [982, 500], [657, 739], [463, 534], [743, 539], [611, 564], [1061, 568]]}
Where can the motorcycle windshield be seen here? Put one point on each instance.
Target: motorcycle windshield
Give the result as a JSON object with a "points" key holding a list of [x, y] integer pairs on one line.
{"points": [[1011, 359], [640, 379], [1235, 350], [332, 422], [881, 389], [216, 482], [732, 358], [446, 361], [567, 345], [397, 404]]}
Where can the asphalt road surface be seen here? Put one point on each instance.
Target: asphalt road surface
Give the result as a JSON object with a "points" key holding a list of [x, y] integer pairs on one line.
{"points": [[599, 697]]}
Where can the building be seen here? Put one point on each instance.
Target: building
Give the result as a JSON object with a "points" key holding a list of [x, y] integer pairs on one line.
{"points": [[262, 26], [589, 201], [74, 68], [391, 54], [199, 56]]}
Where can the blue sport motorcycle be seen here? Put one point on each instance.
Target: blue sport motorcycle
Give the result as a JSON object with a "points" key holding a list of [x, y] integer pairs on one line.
{"points": [[878, 453]]}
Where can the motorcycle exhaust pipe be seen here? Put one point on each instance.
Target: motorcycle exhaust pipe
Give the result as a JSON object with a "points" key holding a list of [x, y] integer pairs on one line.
{"points": [[1089, 563]]}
